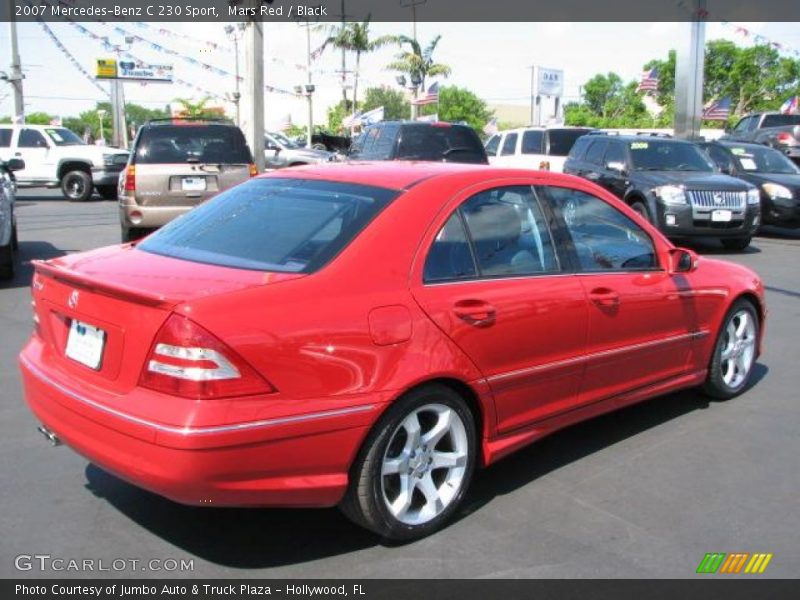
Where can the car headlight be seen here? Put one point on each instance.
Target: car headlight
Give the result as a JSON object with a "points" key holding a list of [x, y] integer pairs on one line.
{"points": [[774, 191], [108, 160], [671, 194]]}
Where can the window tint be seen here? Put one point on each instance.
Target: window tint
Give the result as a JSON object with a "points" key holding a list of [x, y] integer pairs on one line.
{"points": [[492, 145], [742, 125], [615, 153], [780, 120], [562, 140], [532, 142], [603, 237], [205, 143], [451, 143], [719, 156], [450, 257], [668, 155], [285, 225], [508, 233], [5, 138], [509, 144], [579, 149], [596, 151], [30, 138]]}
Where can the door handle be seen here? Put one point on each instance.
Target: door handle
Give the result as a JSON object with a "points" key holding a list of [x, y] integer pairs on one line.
{"points": [[475, 312], [17, 153], [604, 297], [592, 176]]}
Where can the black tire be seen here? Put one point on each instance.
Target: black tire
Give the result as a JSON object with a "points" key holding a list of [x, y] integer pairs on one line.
{"points": [[641, 208], [132, 234], [737, 244], [7, 262], [107, 192], [364, 501], [715, 385], [76, 186], [14, 238]]}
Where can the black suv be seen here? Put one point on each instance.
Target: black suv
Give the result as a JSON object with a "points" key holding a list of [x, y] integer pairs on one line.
{"points": [[672, 184], [414, 140]]}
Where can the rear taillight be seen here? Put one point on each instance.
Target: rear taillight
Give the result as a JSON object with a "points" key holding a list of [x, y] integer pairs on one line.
{"points": [[130, 178], [785, 137], [186, 360], [544, 165], [253, 170]]}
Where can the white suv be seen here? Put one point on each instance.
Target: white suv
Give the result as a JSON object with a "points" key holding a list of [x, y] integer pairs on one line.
{"points": [[543, 148], [56, 157]]}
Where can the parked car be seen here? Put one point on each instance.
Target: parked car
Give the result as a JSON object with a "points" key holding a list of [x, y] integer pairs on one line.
{"points": [[776, 177], [366, 335], [415, 140], [174, 166], [280, 151], [56, 157], [773, 129], [533, 147], [338, 144], [8, 220], [672, 184]]}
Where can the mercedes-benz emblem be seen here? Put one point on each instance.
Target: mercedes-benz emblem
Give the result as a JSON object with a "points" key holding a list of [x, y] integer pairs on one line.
{"points": [[73, 299]]}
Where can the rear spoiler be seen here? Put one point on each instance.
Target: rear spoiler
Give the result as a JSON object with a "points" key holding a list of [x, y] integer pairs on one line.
{"points": [[114, 290]]}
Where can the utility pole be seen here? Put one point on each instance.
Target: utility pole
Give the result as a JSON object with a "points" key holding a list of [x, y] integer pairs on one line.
{"points": [[344, 62], [309, 88], [533, 84], [689, 66], [235, 33], [252, 115], [16, 76], [119, 128]]}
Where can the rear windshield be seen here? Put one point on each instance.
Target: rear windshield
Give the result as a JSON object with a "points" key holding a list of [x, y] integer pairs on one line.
{"points": [[780, 120], [284, 225], [203, 143], [562, 140], [451, 143]]}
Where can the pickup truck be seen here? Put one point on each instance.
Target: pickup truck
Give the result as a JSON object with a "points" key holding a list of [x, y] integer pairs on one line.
{"points": [[773, 129], [56, 157]]}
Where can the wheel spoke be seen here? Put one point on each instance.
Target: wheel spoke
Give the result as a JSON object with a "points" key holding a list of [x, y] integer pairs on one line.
{"points": [[433, 502], [728, 369], [741, 329], [402, 503], [413, 432], [448, 460], [393, 465], [727, 352], [438, 431]]}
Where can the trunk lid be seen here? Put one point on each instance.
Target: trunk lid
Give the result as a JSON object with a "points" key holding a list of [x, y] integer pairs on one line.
{"points": [[122, 296]]}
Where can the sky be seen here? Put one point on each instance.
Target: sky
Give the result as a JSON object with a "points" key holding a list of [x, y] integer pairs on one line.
{"points": [[491, 59]]}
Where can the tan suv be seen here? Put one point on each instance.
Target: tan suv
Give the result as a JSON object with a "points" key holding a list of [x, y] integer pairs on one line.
{"points": [[174, 166]]}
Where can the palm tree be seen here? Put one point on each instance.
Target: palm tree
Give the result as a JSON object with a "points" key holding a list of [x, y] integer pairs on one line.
{"points": [[197, 110], [354, 37], [418, 63]]}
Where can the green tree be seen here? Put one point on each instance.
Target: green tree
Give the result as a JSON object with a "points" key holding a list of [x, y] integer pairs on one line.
{"points": [[337, 113], [39, 118], [199, 109], [393, 102], [459, 104], [355, 38], [417, 62]]}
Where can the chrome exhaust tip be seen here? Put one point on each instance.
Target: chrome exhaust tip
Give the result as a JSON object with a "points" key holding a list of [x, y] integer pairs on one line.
{"points": [[51, 437]]}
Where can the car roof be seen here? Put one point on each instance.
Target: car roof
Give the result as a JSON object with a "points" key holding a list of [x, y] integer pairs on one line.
{"points": [[402, 175], [639, 138], [546, 128], [731, 143]]}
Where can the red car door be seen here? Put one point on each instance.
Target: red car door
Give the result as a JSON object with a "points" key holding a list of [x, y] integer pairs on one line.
{"points": [[492, 280], [640, 325]]}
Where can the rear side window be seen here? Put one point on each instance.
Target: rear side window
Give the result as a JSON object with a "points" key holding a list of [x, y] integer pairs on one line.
{"points": [[450, 257], [596, 151], [5, 138], [284, 225], [509, 144], [202, 143], [780, 120], [532, 142], [615, 153], [579, 149], [451, 143], [562, 140]]}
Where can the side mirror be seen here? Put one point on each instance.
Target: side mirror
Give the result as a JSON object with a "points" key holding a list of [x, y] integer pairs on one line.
{"points": [[682, 260], [616, 165], [15, 164], [273, 147]]}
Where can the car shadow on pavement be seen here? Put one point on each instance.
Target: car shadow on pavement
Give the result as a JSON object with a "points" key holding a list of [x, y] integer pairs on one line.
{"points": [[779, 233], [29, 251], [250, 538]]}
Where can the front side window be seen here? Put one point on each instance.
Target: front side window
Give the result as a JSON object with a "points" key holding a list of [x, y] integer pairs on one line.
{"points": [[283, 225], [30, 138], [509, 144], [604, 239], [62, 136]]}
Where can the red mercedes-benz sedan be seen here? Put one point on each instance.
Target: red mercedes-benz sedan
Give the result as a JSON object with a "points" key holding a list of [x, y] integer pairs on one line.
{"points": [[366, 335]]}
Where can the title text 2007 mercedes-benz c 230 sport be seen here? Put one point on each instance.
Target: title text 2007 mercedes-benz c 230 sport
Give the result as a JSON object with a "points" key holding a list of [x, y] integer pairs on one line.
{"points": [[366, 335]]}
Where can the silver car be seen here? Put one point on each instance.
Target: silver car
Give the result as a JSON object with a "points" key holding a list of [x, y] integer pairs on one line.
{"points": [[8, 221], [280, 151]]}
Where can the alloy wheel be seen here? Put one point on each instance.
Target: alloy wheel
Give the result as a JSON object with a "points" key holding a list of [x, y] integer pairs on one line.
{"points": [[738, 350]]}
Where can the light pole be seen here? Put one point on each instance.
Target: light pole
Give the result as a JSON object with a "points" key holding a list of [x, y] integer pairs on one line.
{"points": [[235, 33], [100, 114], [308, 89]]}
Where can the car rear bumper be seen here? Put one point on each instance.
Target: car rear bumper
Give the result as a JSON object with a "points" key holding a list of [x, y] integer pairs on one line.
{"points": [[134, 215], [294, 460]]}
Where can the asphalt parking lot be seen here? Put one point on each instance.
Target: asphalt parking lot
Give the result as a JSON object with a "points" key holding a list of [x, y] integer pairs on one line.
{"points": [[644, 492]]}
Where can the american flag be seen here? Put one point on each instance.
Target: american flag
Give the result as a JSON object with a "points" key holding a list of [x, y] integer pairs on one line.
{"points": [[491, 127], [790, 106], [718, 110], [432, 97], [649, 81]]}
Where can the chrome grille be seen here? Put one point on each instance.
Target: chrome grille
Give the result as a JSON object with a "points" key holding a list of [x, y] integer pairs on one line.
{"points": [[714, 199]]}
